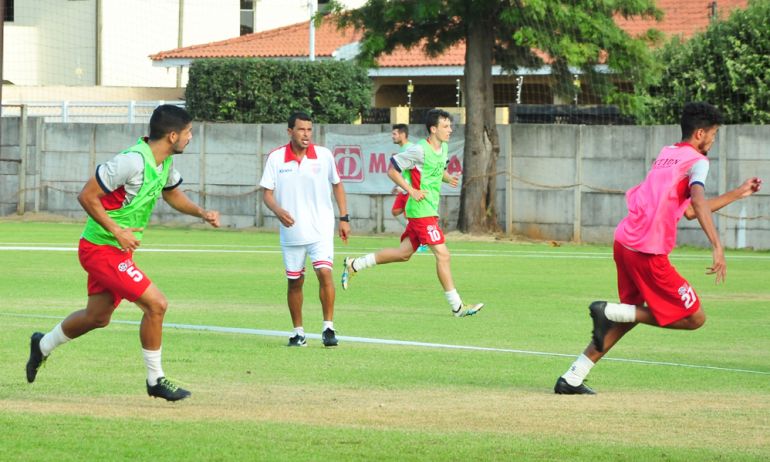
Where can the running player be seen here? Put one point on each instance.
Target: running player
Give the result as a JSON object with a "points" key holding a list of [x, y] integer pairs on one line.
{"points": [[119, 200], [426, 162], [651, 290]]}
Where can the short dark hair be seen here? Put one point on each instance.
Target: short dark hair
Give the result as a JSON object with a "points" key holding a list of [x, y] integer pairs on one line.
{"points": [[403, 128], [298, 116], [432, 117], [168, 118], [696, 115]]}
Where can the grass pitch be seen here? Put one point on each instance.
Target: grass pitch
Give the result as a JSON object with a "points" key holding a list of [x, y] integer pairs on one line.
{"points": [[255, 399]]}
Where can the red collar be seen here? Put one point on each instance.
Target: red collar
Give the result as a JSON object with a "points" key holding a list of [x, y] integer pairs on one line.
{"points": [[685, 144], [290, 156]]}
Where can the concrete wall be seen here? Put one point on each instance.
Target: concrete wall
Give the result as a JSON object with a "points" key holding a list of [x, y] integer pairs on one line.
{"points": [[562, 182]]}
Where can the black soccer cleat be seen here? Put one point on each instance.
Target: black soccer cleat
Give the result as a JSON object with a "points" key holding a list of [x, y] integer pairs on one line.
{"points": [[564, 388], [601, 324], [36, 358], [167, 390], [328, 337], [297, 341]]}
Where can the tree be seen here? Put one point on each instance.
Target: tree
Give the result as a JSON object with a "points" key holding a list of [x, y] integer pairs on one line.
{"points": [[573, 36], [727, 65]]}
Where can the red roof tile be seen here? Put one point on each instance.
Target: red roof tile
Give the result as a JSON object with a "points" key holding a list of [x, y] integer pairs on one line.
{"points": [[684, 17], [289, 41]]}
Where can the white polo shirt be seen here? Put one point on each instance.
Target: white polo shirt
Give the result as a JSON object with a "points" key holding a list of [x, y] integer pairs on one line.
{"points": [[304, 189]]}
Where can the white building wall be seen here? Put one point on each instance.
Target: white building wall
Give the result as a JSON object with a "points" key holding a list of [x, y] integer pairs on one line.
{"points": [[133, 30], [271, 14], [50, 43], [53, 42]]}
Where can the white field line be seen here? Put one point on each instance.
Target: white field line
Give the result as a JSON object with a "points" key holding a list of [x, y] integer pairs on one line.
{"points": [[277, 333], [455, 253]]}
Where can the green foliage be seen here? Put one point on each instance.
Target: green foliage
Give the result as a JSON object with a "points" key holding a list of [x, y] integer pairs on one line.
{"points": [[268, 91], [727, 65], [573, 37]]}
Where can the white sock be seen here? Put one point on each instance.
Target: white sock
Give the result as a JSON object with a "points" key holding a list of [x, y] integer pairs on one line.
{"points": [[367, 261], [299, 331], [328, 325], [454, 299], [578, 371], [154, 369], [620, 312], [53, 339]]}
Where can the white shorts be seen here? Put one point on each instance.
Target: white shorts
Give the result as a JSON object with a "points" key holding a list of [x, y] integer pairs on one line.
{"points": [[321, 255]]}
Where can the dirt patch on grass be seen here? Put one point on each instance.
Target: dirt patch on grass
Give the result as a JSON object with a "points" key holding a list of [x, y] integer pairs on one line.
{"points": [[666, 419]]}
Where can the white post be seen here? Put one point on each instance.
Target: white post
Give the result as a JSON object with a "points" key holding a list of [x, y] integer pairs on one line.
{"points": [[311, 8], [65, 111], [131, 111], [20, 207]]}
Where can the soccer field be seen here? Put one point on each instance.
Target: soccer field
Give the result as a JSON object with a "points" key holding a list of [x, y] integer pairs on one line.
{"points": [[408, 381]]}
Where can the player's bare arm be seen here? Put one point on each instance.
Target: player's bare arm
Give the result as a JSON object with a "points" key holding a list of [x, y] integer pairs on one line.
{"points": [[283, 216], [180, 202], [396, 177], [339, 195], [90, 200], [452, 180], [749, 187], [703, 213]]}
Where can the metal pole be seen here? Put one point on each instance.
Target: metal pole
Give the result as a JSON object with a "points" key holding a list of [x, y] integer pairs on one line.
{"points": [[179, 41], [98, 47], [23, 166], [2, 54], [311, 8]]}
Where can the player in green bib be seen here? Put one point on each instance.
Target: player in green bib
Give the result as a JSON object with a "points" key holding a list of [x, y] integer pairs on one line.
{"points": [[119, 200], [425, 162]]}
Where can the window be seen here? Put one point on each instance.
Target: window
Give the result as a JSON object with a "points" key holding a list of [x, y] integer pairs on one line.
{"points": [[247, 17], [8, 16]]}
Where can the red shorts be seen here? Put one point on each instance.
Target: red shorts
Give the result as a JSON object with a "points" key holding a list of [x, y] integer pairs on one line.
{"points": [[400, 202], [423, 231], [112, 270], [644, 277]]}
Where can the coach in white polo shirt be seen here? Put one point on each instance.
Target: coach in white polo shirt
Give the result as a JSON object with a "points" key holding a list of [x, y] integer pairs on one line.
{"points": [[298, 182]]}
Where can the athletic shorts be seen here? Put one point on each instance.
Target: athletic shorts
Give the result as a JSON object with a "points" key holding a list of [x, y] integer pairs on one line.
{"points": [[321, 255], [423, 231], [112, 270], [400, 202], [644, 277]]}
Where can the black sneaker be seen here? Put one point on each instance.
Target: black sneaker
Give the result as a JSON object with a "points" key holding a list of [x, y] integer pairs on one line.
{"points": [[328, 337], [601, 324], [167, 390], [36, 358], [297, 341], [564, 388]]}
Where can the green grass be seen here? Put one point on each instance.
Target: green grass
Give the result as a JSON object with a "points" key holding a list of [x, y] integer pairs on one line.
{"points": [[255, 399]]}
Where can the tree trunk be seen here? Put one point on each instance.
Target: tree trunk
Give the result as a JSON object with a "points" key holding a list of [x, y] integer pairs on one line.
{"points": [[479, 180]]}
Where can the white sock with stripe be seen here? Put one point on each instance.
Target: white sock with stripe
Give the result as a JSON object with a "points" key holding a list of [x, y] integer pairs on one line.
{"points": [[454, 299], [154, 369], [620, 312], [578, 371], [53, 339], [367, 261]]}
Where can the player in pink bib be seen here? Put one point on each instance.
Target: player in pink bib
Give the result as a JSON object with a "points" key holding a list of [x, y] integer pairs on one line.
{"points": [[650, 289]]}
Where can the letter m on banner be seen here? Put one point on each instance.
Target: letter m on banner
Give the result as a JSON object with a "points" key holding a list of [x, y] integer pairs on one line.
{"points": [[350, 163]]}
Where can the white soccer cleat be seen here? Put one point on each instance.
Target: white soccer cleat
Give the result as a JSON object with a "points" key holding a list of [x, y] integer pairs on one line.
{"points": [[467, 310], [347, 272]]}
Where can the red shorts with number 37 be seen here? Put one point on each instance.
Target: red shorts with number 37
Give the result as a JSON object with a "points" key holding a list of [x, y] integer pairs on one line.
{"points": [[423, 231], [112, 270], [645, 278]]}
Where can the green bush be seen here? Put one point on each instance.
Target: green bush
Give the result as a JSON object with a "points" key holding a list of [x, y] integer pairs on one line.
{"points": [[249, 90], [727, 65]]}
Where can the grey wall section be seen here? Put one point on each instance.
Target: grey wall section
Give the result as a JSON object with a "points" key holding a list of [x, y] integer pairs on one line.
{"points": [[562, 182]]}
